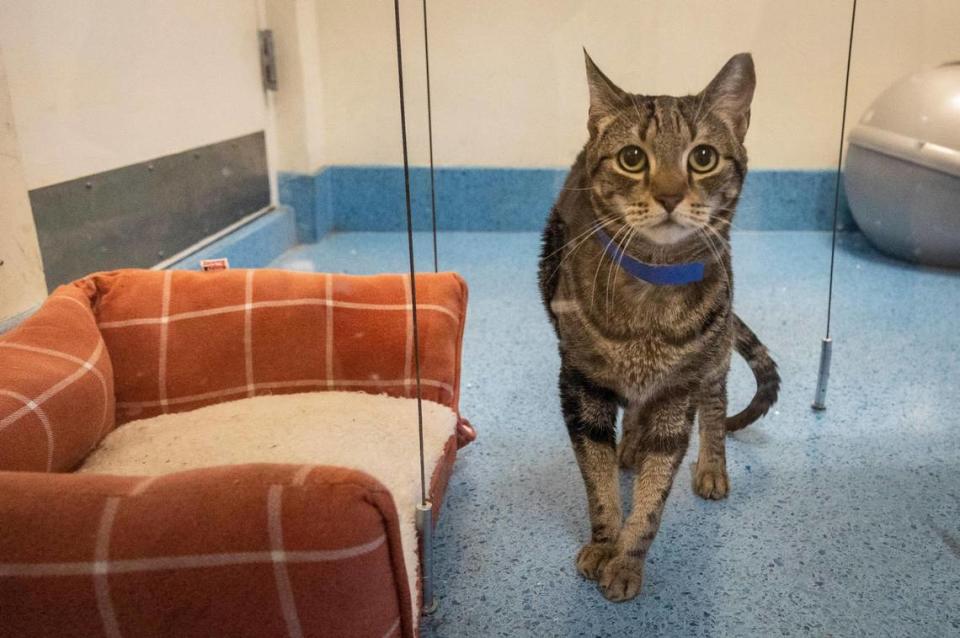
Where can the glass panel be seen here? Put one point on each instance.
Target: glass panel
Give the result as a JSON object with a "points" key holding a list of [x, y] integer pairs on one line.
{"points": [[145, 136]]}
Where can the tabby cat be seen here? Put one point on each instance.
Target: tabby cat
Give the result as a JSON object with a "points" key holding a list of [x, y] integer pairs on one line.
{"points": [[655, 186]]}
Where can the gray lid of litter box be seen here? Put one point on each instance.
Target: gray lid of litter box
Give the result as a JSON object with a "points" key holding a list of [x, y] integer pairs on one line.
{"points": [[917, 119]]}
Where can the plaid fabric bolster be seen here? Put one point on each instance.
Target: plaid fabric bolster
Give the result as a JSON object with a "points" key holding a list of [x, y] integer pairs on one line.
{"points": [[181, 340], [56, 386], [250, 550]]}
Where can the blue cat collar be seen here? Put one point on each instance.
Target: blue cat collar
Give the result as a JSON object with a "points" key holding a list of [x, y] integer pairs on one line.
{"points": [[660, 275]]}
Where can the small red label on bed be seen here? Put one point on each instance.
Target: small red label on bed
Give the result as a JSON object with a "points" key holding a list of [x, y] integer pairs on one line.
{"points": [[221, 263]]}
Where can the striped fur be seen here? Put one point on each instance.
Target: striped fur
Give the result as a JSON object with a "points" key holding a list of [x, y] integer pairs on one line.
{"points": [[764, 369], [660, 352]]}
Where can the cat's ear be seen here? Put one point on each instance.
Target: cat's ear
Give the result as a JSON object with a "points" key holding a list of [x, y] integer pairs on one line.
{"points": [[729, 94], [606, 98]]}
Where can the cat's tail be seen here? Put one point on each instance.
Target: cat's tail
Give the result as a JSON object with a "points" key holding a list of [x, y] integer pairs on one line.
{"points": [[764, 370]]}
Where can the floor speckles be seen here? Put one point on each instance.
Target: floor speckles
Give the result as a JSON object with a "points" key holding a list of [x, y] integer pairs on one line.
{"points": [[841, 523]]}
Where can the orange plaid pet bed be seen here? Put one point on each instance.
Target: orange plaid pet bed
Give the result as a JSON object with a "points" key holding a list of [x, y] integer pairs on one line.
{"points": [[242, 550]]}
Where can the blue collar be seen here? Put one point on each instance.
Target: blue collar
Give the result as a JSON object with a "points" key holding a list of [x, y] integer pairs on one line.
{"points": [[666, 275]]}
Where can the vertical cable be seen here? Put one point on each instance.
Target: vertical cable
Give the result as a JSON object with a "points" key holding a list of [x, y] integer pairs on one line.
{"points": [[826, 345], [413, 283], [836, 195], [433, 193]]}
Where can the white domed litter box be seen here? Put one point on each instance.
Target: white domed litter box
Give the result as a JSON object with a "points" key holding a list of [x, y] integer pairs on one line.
{"points": [[903, 168]]}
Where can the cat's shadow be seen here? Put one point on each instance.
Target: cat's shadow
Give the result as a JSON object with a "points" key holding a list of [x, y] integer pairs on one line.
{"points": [[751, 436]]}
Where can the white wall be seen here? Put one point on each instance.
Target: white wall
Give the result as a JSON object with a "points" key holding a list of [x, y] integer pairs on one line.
{"points": [[22, 285], [508, 79], [99, 84], [358, 65], [298, 104]]}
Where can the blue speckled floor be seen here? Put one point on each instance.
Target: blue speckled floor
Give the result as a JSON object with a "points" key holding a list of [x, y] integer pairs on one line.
{"points": [[844, 523]]}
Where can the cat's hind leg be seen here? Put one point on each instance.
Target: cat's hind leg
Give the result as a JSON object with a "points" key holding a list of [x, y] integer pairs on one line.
{"points": [[590, 413]]}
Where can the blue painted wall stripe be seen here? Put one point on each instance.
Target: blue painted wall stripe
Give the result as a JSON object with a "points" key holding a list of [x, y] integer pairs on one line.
{"points": [[370, 198], [252, 246], [310, 198]]}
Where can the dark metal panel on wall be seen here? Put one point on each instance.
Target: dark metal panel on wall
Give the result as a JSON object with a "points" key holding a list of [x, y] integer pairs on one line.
{"points": [[138, 215]]}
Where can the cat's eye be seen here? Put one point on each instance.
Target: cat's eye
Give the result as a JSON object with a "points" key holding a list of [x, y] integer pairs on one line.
{"points": [[703, 159], [632, 159]]}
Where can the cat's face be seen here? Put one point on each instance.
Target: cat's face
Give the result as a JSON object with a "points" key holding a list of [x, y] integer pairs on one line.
{"points": [[669, 168]]}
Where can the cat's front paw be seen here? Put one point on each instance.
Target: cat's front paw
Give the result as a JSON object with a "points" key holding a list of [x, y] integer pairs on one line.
{"points": [[622, 578], [592, 559], [711, 481]]}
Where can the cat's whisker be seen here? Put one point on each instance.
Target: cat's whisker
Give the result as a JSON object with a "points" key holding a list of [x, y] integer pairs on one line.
{"points": [[713, 231], [610, 269], [717, 256], [592, 228], [578, 246], [626, 246], [708, 242], [603, 253], [705, 239], [586, 235], [612, 258], [723, 240], [590, 232]]}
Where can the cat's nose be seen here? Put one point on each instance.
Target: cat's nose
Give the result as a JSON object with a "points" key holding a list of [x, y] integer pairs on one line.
{"points": [[669, 201]]}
